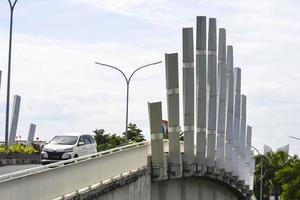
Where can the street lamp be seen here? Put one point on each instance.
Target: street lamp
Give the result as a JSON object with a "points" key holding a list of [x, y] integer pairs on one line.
{"points": [[294, 137], [127, 84], [261, 172], [12, 8]]}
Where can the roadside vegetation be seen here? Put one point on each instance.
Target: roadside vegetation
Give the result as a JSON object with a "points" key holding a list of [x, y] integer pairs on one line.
{"points": [[107, 141], [281, 176], [18, 148]]}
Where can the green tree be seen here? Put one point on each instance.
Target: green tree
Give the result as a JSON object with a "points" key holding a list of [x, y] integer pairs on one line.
{"points": [[100, 136], [289, 177], [107, 141], [134, 134], [272, 163], [116, 140]]}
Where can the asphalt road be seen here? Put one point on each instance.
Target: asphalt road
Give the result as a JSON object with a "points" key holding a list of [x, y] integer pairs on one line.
{"points": [[14, 168]]}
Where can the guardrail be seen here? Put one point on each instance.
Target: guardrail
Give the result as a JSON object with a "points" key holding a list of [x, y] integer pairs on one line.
{"points": [[57, 179]]}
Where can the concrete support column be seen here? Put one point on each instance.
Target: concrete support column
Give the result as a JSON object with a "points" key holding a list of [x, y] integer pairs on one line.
{"points": [[14, 120], [212, 91], [236, 120], [157, 150], [242, 138], [201, 54], [229, 110], [221, 106], [188, 100], [248, 155], [173, 114], [31, 134], [252, 170]]}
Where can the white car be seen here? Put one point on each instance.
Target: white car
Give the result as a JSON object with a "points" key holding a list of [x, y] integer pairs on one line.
{"points": [[67, 146]]}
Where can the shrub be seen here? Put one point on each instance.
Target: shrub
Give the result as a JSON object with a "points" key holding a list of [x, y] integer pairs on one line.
{"points": [[3, 149], [29, 150], [20, 148]]}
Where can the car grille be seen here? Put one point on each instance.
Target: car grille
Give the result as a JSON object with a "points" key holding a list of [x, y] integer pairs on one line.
{"points": [[55, 155]]}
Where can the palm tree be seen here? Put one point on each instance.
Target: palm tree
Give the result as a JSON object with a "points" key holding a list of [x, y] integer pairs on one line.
{"points": [[272, 163]]}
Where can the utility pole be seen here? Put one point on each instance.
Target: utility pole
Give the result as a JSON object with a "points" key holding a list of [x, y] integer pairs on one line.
{"points": [[12, 7], [127, 85]]}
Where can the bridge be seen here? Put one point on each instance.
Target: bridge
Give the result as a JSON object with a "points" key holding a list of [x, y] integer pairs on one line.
{"points": [[217, 164]]}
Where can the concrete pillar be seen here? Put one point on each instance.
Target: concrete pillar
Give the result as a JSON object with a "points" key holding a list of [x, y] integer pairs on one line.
{"points": [[14, 119], [188, 100], [157, 151], [242, 138], [252, 170], [31, 134], [248, 155], [212, 91], [229, 110], [173, 114], [236, 120], [201, 55], [221, 106]]}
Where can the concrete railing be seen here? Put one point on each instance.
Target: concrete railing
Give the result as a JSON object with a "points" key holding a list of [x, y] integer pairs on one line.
{"points": [[57, 179]]}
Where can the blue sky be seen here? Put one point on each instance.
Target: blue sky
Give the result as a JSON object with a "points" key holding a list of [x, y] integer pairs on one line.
{"points": [[56, 43]]}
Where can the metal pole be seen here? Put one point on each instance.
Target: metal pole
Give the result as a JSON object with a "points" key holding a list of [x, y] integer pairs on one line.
{"points": [[127, 100], [261, 177], [261, 171], [127, 85], [12, 6], [294, 137]]}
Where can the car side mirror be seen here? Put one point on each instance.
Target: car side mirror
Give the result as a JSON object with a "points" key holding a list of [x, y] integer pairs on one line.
{"points": [[80, 143]]}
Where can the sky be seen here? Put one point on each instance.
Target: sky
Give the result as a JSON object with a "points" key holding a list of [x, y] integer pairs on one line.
{"points": [[55, 45]]}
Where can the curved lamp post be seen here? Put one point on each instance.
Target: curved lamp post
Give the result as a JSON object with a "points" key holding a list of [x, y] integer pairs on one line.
{"points": [[127, 84], [261, 172], [294, 137], [12, 8]]}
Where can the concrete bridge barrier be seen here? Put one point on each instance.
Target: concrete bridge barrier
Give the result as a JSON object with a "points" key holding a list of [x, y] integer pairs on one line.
{"points": [[58, 179]]}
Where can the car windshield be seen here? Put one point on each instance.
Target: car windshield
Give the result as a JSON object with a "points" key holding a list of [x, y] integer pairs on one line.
{"points": [[64, 140]]}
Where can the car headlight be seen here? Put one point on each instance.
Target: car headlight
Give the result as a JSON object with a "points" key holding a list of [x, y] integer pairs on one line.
{"points": [[68, 150], [44, 155], [66, 156], [45, 149]]}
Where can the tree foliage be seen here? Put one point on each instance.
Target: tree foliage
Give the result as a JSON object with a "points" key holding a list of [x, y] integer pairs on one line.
{"points": [[276, 169], [107, 141], [289, 177], [134, 134]]}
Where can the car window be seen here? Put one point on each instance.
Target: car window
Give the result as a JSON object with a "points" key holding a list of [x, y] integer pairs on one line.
{"points": [[64, 140], [92, 139], [86, 140], [81, 139]]}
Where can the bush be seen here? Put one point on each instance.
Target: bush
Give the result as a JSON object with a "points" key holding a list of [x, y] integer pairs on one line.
{"points": [[3, 149], [29, 150], [18, 148], [37, 147]]}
